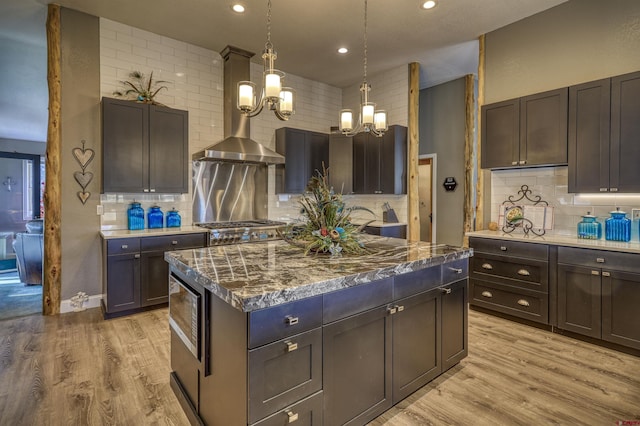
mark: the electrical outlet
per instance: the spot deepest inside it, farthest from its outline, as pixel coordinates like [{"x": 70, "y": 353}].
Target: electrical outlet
[
  {"x": 99, "y": 209},
  {"x": 635, "y": 214}
]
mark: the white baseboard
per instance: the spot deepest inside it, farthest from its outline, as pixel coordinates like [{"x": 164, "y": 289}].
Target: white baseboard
[{"x": 93, "y": 302}]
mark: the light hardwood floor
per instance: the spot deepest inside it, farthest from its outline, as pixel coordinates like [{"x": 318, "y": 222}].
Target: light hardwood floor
[{"x": 76, "y": 369}]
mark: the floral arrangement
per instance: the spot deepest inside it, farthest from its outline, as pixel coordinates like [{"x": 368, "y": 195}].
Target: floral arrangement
[
  {"x": 327, "y": 227},
  {"x": 143, "y": 89}
]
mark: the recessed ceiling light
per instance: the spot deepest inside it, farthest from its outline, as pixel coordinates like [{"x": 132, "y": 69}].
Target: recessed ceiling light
[
  {"x": 238, "y": 8},
  {"x": 430, "y": 4},
  {"x": 343, "y": 50}
]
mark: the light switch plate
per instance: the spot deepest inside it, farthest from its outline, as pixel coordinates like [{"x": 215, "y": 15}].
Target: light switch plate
[
  {"x": 635, "y": 214},
  {"x": 99, "y": 209}
]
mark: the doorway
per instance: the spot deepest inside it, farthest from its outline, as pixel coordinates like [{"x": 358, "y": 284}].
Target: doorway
[
  {"x": 21, "y": 234},
  {"x": 426, "y": 195}
]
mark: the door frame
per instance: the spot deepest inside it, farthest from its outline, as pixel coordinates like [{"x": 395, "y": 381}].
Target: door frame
[
  {"x": 36, "y": 176},
  {"x": 434, "y": 168}
]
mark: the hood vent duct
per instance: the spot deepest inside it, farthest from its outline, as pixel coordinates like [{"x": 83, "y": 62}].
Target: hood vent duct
[{"x": 236, "y": 146}]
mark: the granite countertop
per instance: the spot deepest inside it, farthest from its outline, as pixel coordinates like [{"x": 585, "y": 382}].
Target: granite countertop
[
  {"x": 259, "y": 275},
  {"x": 125, "y": 233},
  {"x": 381, "y": 224},
  {"x": 561, "y": 240}
]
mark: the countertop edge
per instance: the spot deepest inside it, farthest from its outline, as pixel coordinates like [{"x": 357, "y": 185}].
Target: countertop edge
[{"x": 125, "y": 233}]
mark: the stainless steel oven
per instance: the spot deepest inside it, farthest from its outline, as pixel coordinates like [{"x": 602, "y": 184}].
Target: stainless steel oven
[{"x": 185, "y": 310}]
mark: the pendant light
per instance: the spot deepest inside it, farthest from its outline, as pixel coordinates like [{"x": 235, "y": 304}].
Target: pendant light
[
  {"x": 369, "y": 119},
  {"x": 277, "y": 98}
]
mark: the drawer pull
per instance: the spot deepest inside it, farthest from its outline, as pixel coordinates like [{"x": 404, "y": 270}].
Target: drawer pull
[
  {"x": 523, "y": 302},
  {"x": 174, "y": 243},
  {"x": 392, "y": 310},
  {"x": 124, "y": 246},
  {"x": 291, "y": 320},
  {"x": 503, "y": 248},
  {"x": 524, "y": 272},
  {"x": 136, "y": 256},
  {"x": 606, "y": 274},
  {"x": 599, "y": 259},
  {"x": 446, "y": 290},
  {"x": 487, "y": 266},
  {"x": 487, "y": 294},
  {"x": 595, "y": 272},
  {"x": 456, "y": 270},
  {"x": 400, "y": 308},
  {"x": 292, "y": 417},
  {"x": 291, "y": 346}
]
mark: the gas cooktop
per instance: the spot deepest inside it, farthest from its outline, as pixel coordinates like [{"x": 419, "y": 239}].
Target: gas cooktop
[{"x": 243, "y": 231}]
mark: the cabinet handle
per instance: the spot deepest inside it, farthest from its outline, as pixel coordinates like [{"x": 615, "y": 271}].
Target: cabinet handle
[
  {"x": 606, "y": 274},
  {"x": 487, "y": 266},
  {"x": 487, "y": 294},
  {"x": 604, "y": 189},
  {"x": 392, "y": 310},
  {"x": 136, "y": 256},
  {"x": 445, "y": 290},
  {"x": 524, "y": 272},
  {"x": 124, "y": 246},
  {"x": 152, "y": 190},
  {"x": 613, "y": 189},
  {"x": 456, "y": 270},
  {"x": 514, "y": 163},
  {"x": 400, "y": 308},
  {"x": 291, "y": 346},
  {"x": 599, "y": 259},
  {"x": 523, "y": 302},
  {"x": 145, "y": 190},
  {"x": 595, "y": 272},
  {"x": 291, "y": 320},
  {"x": 292, "y": 417},
  {"x": 174, "y": 243},
  {"x": 523, "y": 161},
  {"x": 503, "y": 248}
]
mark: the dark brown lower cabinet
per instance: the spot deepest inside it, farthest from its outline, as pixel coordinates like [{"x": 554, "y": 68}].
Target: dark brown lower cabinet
[
  {"x": 455, "y": 317},
  {"x": 154, "y": 272},
  {"x": 620, "y": 301},
  {"x": 123, "y": 282},
  {"x": 579, "y": 294}
]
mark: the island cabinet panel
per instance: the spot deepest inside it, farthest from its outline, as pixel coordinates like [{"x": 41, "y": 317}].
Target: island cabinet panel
[
  {"x": 307, "y": 412},
  {"x": 511, "y": 277},
  {"x": 342, "y": 303},
  {"x": 144, "y": 148},
  {"x": 135, "y": 272},
  {"x": 598, "y": 294},
  {"x": 454, "y": 324}
]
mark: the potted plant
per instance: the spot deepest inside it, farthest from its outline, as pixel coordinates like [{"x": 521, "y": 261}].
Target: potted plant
[{"x": 144, "y": 90}]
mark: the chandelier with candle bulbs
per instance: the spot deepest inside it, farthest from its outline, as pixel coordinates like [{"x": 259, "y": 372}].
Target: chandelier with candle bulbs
[
  {"x": 369, "y": 119},
  {"x": 277, "y": 98}
]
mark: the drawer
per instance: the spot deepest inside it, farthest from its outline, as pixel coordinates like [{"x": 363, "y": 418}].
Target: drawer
[
  {"x": 275, "y": 323},
  {"x": 517, "y": 272},
  {"x": 455, "y": 271},
  {"x": 599, "y": 259},
  {"x": 123, "y": 246},
  {"x": 405, "y": 285},
  {"x": 284, "y": 372},
  {"x": 307, "y": 412},
  {"x": 528, "y": 304},
  {"x": 172, "y": 242},
  {"x": 510, "y": 248},
  {"x": 343, "y": 303}
]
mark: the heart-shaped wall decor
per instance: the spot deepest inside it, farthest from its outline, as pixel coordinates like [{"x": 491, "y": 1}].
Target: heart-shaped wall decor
[
  {"x": 84, "y": 196},
  {"x": 83, "y": 178},
  {"x": 83, "y": 156}
]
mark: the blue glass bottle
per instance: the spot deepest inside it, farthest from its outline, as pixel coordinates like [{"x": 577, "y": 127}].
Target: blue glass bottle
[
  {"x": 589, "y": 228},
  {"x": 155, "y": 217},
  {"x": 135, "y": 216},
  {"x": 173, "y": 219},
  {"x": 618, "y": 226}
]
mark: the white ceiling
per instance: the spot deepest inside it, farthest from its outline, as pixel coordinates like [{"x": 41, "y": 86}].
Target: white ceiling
[{"x": 306, "y": 36}]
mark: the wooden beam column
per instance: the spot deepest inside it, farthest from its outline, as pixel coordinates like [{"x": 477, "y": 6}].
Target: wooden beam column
[
  {"x": 480, "y": 181},
  {"x": 413, "y": 207},
  {"x": 469, "y": 145},
  {"x": 53, "y": 182}
]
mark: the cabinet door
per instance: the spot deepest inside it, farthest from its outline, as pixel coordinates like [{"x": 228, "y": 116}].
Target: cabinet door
[
  {"x": 579, "y": 293},
  {"x": 168, "y": 150},
  {"x": 455, "y": 340},
  {"x": 543, "y": 128},
  {"x": 123, "y": 282},
  {"x": 125, "y": 146},
  {"x": 500, "y": 134},
  {"x": 317, "y": 154},
  {"x": 291, "y": 176},
  {"x": 341, "y": 163},
  {"x": 393, "y": 161},
  {"x": 620, "y": 301},
  {"x": 625, "y": 133},
  {"x": 357, "y": 368},
  {"x": 372, "y": 165},
  {"x": 359, "y": 163},
  {"x": 416, "y": 343},
  {"x": 589, "y": 112},
  {"x": 154, "y": 279}
]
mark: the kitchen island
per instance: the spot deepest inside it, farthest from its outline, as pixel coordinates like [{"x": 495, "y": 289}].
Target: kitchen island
[{"x": 271, "y": 336}]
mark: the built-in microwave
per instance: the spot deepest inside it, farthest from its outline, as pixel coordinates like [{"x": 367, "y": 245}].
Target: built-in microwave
[{"x": 185, "y": 309}]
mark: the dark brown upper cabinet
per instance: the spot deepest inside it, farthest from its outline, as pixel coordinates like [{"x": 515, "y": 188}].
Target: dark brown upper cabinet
[
  {"x": 526, "y": 132},
  {"x": 305, "y": 153},
  {"x": 604, "y": 129},
  {"x": 145, "y": 148}
]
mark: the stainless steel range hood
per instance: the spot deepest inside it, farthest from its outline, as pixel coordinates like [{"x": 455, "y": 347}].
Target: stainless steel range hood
[{"x": 236, "y": 146}]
